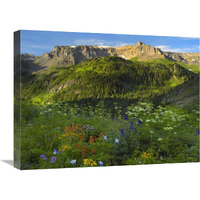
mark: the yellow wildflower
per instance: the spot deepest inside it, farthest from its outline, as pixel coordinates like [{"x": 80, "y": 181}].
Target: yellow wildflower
[
  {"x": 89, "y": 162},
  {"x": 146, "y": 155},
  {"x": 64, "y": 147}
]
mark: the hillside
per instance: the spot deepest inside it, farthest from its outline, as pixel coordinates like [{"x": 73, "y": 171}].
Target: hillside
[
  {"x": 185, "y": 95},
  {"x": 105, "y": 78}
]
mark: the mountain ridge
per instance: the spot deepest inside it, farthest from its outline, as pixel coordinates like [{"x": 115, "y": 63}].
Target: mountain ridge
[{"x": 65, "y": 56}]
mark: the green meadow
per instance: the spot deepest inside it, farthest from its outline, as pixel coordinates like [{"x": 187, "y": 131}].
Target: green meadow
[{"x": 107, "y": 112}]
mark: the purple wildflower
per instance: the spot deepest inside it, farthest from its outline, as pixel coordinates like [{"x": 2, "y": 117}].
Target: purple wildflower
[
  {"x": 126, "y": 117},
  {"x": 131, "y": 127},
  {"x": 53, "y": 159},
  {"x": 73, "y": 162},
  {"x": 43, "y": 156},
  {"x": 100, "y": 163},
  {"x": 197, "y": 132},
  {"x": 122, "y": 132},
  {"x": 139, "y": 122},
  {"x": 131, "y": 123},
  {"x": 55, "y": 151}
]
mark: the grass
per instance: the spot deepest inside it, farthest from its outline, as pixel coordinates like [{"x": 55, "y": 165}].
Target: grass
[
  {"x": 192, "y": 68},
  {"x": 62, "y": 135}
]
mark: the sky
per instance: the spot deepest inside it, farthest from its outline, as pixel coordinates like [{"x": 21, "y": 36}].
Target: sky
[{"x": 39, "y": 42}]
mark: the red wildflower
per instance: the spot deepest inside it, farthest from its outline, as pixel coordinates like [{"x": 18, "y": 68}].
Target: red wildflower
[
  {"x": 91, "y": 139},
  {"x": 93, "y": 151},
  {"x": 83, "y": 152},
  {"x": 101, "y": 134}
]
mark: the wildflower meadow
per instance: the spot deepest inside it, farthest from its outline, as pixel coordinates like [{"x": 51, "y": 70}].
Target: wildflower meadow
[{"x": 62, "y": 135}]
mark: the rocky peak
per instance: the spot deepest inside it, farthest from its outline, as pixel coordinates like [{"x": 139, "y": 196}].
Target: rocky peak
[
  {"x": 56, "y": 48},
  {"x": 139, "y": 43},
  {"x": 72, "y": 55}
]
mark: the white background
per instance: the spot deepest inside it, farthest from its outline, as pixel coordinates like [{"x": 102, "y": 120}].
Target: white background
[{"x": 146, "y": 17}]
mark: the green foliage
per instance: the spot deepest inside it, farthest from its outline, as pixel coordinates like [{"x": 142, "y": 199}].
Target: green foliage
[
  {"x": 103, "y": 78},
  {"x": 145, "y": 135}
]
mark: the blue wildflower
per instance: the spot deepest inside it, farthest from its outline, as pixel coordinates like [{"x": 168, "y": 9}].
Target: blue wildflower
[
  {"x": 53, "y": 159},
  {"x": 116, "y": 141},
  {"x": 197, "y": 132},
  {"x": 126, "y": 117},
  {"x": 100, "y": 163},
  {"x": 139, "y": 122},
  {"x": 133, "y": 118},
  {"x": 122, "y": 132},
  {"x": 131, "y": 123},
  {"x": 43, "y": 156},
  {"x": 131, "y": 127},
  {"x": 104, "y": 138},
  {"x": 35, "y": 111},
  {"x": 73, "y": 162},
  {"x": 55, "y": 151}
]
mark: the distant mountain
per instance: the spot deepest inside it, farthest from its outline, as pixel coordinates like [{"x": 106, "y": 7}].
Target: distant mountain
[{"x": 65, "y": 56}]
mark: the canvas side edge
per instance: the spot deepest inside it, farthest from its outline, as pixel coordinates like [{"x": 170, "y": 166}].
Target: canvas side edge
[{"x": 17, "y": 100}]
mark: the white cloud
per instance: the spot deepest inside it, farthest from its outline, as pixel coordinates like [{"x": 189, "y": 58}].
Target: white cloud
[
  {"x": 89, "y": 42},
  {"x": 98, "y": 42},
  {"x": 38, "y": 46},
  {"x": 170, "y": 49}
]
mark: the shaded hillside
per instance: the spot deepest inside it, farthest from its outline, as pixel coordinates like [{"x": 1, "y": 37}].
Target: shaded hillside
[
  {"x": 28, "y": 64},
  {"x": 107, "y": 77},
  {"x": 185, "y": 95}
]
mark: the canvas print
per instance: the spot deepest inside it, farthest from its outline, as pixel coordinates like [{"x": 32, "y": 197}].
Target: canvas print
[{"x": 96, "y": 100}]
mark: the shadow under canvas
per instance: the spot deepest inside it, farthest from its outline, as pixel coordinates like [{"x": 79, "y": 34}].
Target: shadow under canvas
[{"x": 10, "y": 162}]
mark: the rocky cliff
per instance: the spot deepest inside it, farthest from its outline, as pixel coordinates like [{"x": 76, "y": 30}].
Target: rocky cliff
[{"x": 63, "y": 56}]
